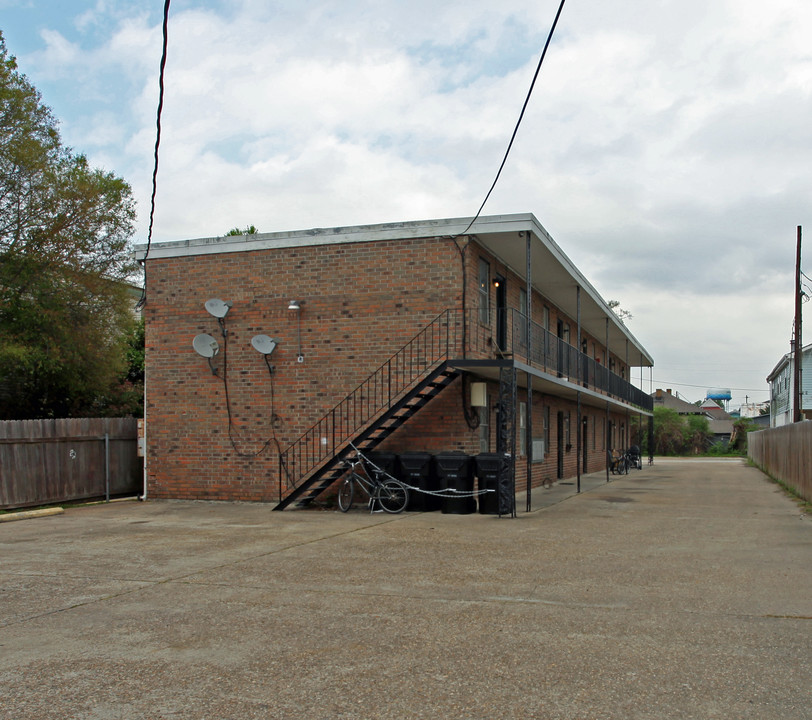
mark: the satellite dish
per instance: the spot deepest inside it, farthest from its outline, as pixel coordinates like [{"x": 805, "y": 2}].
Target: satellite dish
[
  {"x": 217, "y": 307},
  {"x": 205, "y": 345},
  {"x": 263, "y": 344}
]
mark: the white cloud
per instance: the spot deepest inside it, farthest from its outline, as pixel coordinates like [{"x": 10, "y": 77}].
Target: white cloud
[{"x": 665, "y": 147}]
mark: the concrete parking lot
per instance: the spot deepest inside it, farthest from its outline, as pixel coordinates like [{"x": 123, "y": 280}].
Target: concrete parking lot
[{"x": 680, "y": 591}]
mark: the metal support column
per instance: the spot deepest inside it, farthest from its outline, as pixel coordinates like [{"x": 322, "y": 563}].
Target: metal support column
[
  {"x": 528, "y": 439},
  {"x": 506, "y": 488},
  {"x": 606, "y": 440}
]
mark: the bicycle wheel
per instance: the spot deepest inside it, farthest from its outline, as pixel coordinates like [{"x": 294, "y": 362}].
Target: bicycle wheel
[
  {"x": 393, "y": 496},
  {"x": 345, "y": 493}
]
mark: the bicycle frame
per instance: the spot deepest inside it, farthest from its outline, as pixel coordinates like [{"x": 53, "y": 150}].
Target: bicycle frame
[{"x": 381, "y": 488}]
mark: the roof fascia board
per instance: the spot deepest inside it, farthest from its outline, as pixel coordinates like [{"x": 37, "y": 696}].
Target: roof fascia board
[{"x": 333, "y": 236}]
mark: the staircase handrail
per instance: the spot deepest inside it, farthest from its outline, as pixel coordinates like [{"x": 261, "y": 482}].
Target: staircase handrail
[{"x": 356, "y": 410}]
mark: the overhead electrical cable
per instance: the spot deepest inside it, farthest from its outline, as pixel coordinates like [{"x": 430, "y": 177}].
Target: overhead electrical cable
[
  {"x": 143, "y": 299},
  {"x": 669, "y": 382},
  {"x": 519, "y": 121}
]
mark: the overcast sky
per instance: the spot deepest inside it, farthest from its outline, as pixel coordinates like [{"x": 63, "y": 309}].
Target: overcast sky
[{"x": 666, "y": 147}]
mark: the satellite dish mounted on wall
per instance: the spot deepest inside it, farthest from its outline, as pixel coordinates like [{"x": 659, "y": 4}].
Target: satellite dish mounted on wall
[
  {"x": 217, "y": 307},
  {"x": 206, "y": 346},
  {"x": 264, "y": 345}
]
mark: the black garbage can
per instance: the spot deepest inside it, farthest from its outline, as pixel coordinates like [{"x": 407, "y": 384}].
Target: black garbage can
[
  {"x": 417, "y": 471},
  {"x": 487, "y": 473},
  {"x": 385, "y": 461},
  {"x": 455, "y": 472}
]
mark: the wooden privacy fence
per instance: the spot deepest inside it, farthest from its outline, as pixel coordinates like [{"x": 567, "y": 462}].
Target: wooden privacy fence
[
  {"x": 52, "y": 461},
  {"x": 785, "y": 453}
]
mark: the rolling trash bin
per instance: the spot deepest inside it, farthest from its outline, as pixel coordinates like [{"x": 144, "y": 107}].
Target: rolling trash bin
[
  {"x": 487, "y": 472},
  {"x": 386, "y": 461},
  {"x": 455, "y": 472},
  {"x": 416, "y": 470}
]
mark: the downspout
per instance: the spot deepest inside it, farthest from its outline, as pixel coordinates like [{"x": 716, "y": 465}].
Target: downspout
[
  {"x": 578, "y": 365},
  {"x": 528, "y": 431},
  {"x": 143, "y": 495},
  {"x": 606, "y": 429},
  {"x": 471, "y": 419},
  {"x": 628, "y": 414}
]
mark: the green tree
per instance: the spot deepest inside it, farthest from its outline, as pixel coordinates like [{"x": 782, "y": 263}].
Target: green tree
[
  {"x": 738, "y": 438},
  {"x": 250, "y": 230},
  {"x": 669, "y": 431},
  {"x": 697, "y": 435},
  {"x": 622, "y": 315},
  {"x": 64, "y": 231}
]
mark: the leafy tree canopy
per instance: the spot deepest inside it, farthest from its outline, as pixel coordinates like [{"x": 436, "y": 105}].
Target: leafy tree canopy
[
  {"x": 622, "y": 315},
  {"x": 250, "y": 230},
  {"x": 64, "y": 231}
]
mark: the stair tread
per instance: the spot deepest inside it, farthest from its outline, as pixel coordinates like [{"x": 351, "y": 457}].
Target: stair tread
[{"x": 388, "y": 421}]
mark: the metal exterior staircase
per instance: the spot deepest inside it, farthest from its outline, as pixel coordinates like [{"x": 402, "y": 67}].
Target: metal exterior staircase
[{"x": 391, "y": 395}]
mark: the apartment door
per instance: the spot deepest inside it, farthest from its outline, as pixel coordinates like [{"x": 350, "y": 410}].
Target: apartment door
[
  {"x": 501, "y": 313},
  {"x": 584, "y": 435},
  {"x": 561, "y": 441}
]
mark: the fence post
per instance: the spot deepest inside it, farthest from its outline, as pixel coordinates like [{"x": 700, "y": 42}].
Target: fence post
[{"x": 107, "y": 467}]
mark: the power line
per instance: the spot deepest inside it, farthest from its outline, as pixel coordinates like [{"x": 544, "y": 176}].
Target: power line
[
  {"x": 669, "y": 382},
  {"x": 143, "y": 299},
  {"x": 519, "y": 121}
]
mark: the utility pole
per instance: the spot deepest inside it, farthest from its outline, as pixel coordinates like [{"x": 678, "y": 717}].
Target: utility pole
[{"x": 797, "y": 414}]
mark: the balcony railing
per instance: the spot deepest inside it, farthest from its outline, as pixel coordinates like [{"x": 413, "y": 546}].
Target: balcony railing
[{"x": 506, "y": 335}]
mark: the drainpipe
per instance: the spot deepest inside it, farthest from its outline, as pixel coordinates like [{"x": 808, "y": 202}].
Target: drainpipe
[
  {"x": 606, "y": 429},
  {"x": 578, "y": 369},
  {"x": 528, "y": 431},
  {"x": 143, "y": 496}
]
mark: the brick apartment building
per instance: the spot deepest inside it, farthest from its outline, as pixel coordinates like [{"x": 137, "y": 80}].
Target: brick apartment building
[{"x": 400, "y": 337}]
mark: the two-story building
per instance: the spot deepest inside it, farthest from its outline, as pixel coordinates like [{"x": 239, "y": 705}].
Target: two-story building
[
  {"x": 395, "y": 337},
  {"x": 782, "y": 388}
]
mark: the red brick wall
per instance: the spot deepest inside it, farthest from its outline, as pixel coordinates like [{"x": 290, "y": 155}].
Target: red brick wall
[{"x": 361, "y": 302}]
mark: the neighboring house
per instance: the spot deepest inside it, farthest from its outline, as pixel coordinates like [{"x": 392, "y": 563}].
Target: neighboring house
[
  {"x": 762, "y": 420},
  {"x": 397, "y": 337},
  {"x": 782, "y": 387},
  {"x": 720, "y": 423},
  {"x": 670, "y": 400},
  {"x": 755, "y": 409},
  {"x": 134, "y": 292}
]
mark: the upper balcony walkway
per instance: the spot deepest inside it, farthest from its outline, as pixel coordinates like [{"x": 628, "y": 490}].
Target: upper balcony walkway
[{"x": 482, "y": 341}]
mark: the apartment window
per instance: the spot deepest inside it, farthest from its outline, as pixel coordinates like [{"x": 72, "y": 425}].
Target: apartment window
[
  {"x": 484, "y": 291},
  {"x": 567, "y": 442},
  {"x": 546, "y": 428},
  {"x": 522, "y": 429}
]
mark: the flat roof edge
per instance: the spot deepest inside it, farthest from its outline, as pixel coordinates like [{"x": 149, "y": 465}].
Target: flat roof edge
[{"x": 337, "y": 235}]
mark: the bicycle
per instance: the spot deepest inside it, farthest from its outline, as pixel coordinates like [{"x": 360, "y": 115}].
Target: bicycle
[
  {"x": 381, "y": 488},
  {"x": 618, "y": 463}
]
